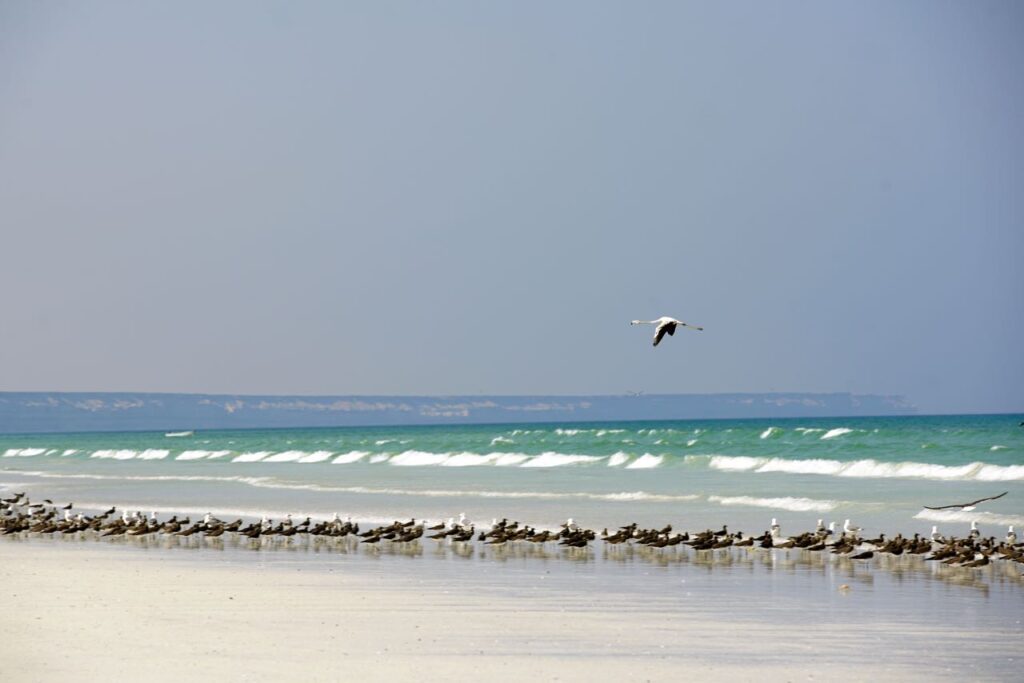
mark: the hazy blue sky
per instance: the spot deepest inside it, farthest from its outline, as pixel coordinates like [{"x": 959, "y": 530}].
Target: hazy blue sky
[{"x": 427, "y": 198}]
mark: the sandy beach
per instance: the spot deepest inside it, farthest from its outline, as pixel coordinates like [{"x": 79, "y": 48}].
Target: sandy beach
[{"x": 95, "y": 612}]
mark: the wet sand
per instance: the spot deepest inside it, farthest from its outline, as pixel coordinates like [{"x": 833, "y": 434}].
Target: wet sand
[{"x": 94, "y": 611}]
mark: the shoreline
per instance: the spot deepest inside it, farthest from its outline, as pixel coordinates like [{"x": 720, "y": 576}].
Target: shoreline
[{"x": 100, "y": 612}]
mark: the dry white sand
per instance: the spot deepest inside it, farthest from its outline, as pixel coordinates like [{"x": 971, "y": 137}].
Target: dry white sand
[{"x": 91, "y": 614}]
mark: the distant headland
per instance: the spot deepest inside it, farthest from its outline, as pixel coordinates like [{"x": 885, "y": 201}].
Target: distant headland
[{"x": 22, "y": 412}]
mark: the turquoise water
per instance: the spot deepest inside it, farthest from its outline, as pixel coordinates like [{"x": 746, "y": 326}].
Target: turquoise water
[{"x": 693, "y": 474}]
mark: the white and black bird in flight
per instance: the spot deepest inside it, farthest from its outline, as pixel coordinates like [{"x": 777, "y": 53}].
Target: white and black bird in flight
[
  {"x": 966, "y": 507},
  {"x": 665, "y": 325}
]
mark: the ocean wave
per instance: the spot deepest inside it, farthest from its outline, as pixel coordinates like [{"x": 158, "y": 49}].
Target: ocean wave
[
  {"x": 350, "y": 457},
  {"x": 418, "y": 459},
  {"x": 833, "y": 433},
  {"x": 645, "y": 461},
  {"x": 285, "y": 456},
  {"x": 559, "y": 460},
  {"x": 154, "y": 454},
  {"x": 786, "y": 503},
  {"x": 771, "y": 431},
  {"x": 110, "y": 454},
  {"x": 968, "y": 517},
  {"x": 23, "y": 452},
  {"x": 470, "y": 459},
  {"x": 202, "y": 455},
  {"x": 511, "y": 459},
  {"x": 1000, "y": 473},
  {"x": 617, "y": 459},
  {"x": 870, "y": 469},
  {"x": 251, "y": 457},
  {"x": 316, "y": 456}
]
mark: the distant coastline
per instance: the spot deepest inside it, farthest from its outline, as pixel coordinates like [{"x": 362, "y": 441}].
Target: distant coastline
[{"x": 22, "y": 412}]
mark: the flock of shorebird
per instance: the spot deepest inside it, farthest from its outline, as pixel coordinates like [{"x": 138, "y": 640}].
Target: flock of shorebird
[{"x": 19, "y": 515}]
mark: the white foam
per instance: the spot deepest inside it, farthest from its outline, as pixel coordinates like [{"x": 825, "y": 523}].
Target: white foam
[
  {"x": 350, "y": 457},
  {"x": 833, "y": 433},
  {"x": 643, "y": 496},
  {"x": 558, "y": 460},
  {"x": 998, "y": 447},
  {"x": 200, "y": 455},
  {"x": 1000, "y": 473},
  {"x": 381, "y": 442},
  {"x": 786, "y": 503},
  {"x": 910, "y": 470},
  {"x": 470, "y": 459},
  {"x": 11, "y": 452},
  {"x": 801, "y": 466},
  {"x": 645, "y": 461},
  {"x": 511, "y": 459},
  {"x": 734, "y": 463},
  {"x": 768, "y": 432},
  {"x": 968, "y": 517},
  {"x": 154, "y": 454},
  {"x": 285, "y": 456},
  {"x": 379, "y": 457},
  {"x": 501, "y": 439},
  {"x": 868, "y": 469},
  {"x": 251, "y": 457},
  {"x": 123, "y": 454},
  {"x": 691, "y": 442},
  {"x": 617, "y": 459},
  {"x": 316, "y": 456},
  {"x": 568, "y": 432},
  {"x": 418, "y": 459}
]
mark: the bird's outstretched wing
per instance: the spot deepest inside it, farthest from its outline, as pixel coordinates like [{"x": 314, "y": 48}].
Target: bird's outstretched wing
[
  {"x": 982, "y": 500},
  {"x": 963, "y": 505},
  {"x": 662, "y": 329}
]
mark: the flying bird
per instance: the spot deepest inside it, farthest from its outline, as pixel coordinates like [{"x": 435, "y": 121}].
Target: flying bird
[
  {"x": 665, "y": 325},
  {"x": 966, "y": 507}
]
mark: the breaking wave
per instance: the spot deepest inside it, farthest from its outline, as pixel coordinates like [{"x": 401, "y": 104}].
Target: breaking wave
[
  {"x": 645, "y": 461},
  {"x": 871, "y": 469},
  {"x": 786, "y": 503},
  {"x": 674, "y": 457},
  {"x": 968, "y": 517}
]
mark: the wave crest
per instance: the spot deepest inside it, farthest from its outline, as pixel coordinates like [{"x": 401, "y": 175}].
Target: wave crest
[
  {"x": 785, "y": 503},
  {"x": 869, "y": 469}
]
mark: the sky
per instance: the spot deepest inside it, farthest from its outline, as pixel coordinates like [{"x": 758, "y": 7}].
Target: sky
[{"x": 476, "y": 198}]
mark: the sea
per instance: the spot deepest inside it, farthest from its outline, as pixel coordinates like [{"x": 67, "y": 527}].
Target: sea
[{"x": 880, "y": 473}]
